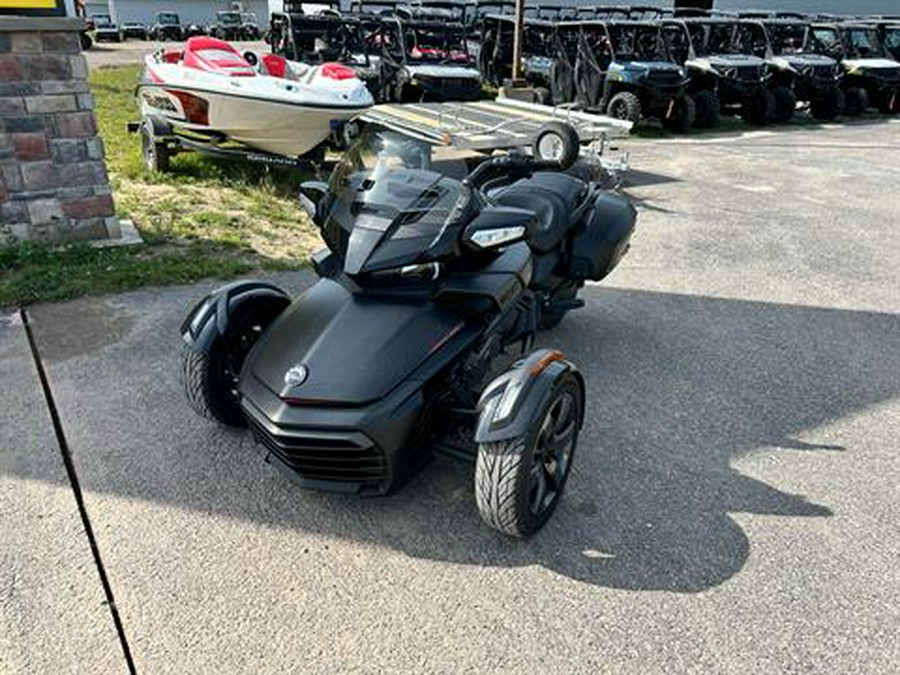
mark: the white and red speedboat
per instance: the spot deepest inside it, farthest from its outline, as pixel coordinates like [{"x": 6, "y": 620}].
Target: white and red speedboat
[{"x": 265, "y": 102}]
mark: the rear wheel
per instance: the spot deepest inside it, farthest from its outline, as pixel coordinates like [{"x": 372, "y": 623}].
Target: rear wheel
[
  {"x": 625, "y": 106},
  {"x": 785, "y": 104},
  {"x": 827, "y": 105},
  {"x": 856, "y": 101},
  {"x": 708, "y": 109},
  {"x": 758, "y": 107},
  {"x": 519, "y": 481},
  {"x": 684, "y": 112}
]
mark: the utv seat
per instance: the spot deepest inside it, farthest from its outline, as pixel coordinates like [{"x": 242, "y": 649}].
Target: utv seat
[{"x": 554, "y": 197}]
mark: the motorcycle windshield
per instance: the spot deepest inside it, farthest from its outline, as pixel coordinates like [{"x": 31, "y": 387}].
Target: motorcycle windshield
[{"x": 390, "y": 200}]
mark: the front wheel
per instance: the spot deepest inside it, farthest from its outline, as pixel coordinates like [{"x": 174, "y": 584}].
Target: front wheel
[
  {"x": 758, "y": 107},
  {"x": 785, "y": 104},
  {"x": 519, "y": 481},
  {"x": 708, "y": 109},
  {"x": 828, "y": 104},
  {"x": 210, "y": 378},
  {"x": 856, "y": 101},
  {"x": 625, "y": 106}
]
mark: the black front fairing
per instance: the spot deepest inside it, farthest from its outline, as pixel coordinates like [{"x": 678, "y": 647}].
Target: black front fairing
[{"x": 357, "y": 348}]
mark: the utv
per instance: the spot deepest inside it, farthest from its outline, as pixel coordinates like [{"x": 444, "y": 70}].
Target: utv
[
  {"x": 805, "y": 65},
  {"x": 135, "y": 30},
  {"x": 105, "y": 30},
  {"x": 723, "y": 76},
  {"x": 433, "y": 63},
  {"x": 870, "y": 77},
  {"x": 889, "y": 35},
  {"x": 249, "y": 26},
  {"x": 167, "y": 27},
  {"x": 538, "y": 51},
  {"x": 624, "y": 69},
  {"x": 227, "y": 26}
]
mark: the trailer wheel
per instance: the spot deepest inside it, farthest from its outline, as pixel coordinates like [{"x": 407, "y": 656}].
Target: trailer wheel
[
  {"x": 625, "y": 106},
  {"x": 155, "y": 152},
  {"x": 519, "y": 481},
  {"x": 684, "y": 112},
  {"x": 785, "y": 104},
  {"x": 856, "y": 101},
  {"x": 828, "y": 105},
  {"x": 559, "y": 142},
  {"x": 708, "y": 109},
  {"x": 758, "y": 107}
]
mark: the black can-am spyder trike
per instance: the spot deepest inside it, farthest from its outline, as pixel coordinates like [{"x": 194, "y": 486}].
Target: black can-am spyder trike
[{"x": 433, "y": 270}]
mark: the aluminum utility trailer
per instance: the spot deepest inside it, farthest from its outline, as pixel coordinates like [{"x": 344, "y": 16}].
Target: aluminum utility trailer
[{"x": 498, "y": 125}]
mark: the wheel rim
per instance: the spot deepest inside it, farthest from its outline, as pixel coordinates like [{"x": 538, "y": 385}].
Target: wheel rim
[
  {"x": 553, "y": 453},
  {"x": 550, "y": 147},
  {"x": 619, "y": 110}
]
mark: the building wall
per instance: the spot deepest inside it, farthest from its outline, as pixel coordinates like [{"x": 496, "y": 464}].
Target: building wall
[{"x": 190, "y": 11}]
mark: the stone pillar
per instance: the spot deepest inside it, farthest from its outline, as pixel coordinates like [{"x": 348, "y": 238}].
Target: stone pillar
[{"x": 53, "y": 182}]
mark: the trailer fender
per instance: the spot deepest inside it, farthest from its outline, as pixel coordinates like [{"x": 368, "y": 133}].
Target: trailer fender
[
  {"x": 510, "y": 404},
  {"x": 212, "y": 317}
]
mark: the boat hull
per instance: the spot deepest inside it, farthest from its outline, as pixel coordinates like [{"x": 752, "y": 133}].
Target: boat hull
[{"x": 282, "y": 128}]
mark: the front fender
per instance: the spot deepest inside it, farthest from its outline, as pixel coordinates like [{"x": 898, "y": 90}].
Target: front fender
[
  {"x": 511, "y": 403},
  {"x": 210, "y": 318}
]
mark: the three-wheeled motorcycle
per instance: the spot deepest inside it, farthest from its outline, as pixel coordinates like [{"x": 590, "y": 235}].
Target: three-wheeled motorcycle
[{"x": 436, "y": 272}]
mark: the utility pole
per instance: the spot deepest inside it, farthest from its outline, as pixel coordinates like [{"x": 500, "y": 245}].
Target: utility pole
[{"x": 518, "y": 30}]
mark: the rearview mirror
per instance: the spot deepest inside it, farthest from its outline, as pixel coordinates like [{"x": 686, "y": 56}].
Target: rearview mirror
[
  {"x": 498, "y": 226},
  {"x": 312, "y": 193}
]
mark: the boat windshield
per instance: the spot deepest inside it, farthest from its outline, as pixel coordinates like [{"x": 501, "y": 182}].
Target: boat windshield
[{"x": 386, "y": 178}]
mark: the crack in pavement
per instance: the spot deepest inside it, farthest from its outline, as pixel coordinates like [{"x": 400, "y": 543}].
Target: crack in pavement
[{"x": 76, "y": 490}]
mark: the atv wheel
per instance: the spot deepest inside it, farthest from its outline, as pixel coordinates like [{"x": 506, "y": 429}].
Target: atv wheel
[
  {"x": 210, "y": 378},
  {"x": 708, "y": 109},
  {"x": 856, "y": 101},
  {"x": 684, "y": 112},
  {"x": 828, "y": 105},
  {"x": 155, "y": 152},
  {"x": 518, "y": 482},
  {"x": 559, "y": 142},
  {"x": 625, "y": 106},
  {"x": 758, "y": 107},
  {"x": 785, "y": 104}
]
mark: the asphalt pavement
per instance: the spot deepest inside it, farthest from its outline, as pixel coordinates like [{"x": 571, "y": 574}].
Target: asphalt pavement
[{"x": 733, "y": 506}]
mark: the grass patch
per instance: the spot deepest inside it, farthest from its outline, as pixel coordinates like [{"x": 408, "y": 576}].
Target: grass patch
[{"x": 206, "y": 218}]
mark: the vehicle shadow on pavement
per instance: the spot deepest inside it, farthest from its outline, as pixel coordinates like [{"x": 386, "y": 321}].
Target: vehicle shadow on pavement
[{"x": 679, "y": 388}]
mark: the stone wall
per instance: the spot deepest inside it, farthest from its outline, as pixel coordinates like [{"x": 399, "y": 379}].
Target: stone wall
[{"x": 53, "y": 181}]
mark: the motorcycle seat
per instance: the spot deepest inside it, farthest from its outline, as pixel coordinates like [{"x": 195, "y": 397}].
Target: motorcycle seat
[{"x": 553, "y": 197}]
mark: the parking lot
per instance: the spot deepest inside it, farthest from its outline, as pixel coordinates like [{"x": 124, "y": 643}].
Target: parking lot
[{"x": 732, "y": 507}]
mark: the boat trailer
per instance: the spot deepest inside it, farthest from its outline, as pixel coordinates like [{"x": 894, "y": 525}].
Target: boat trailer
[{"x": 478, "y": 126}]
